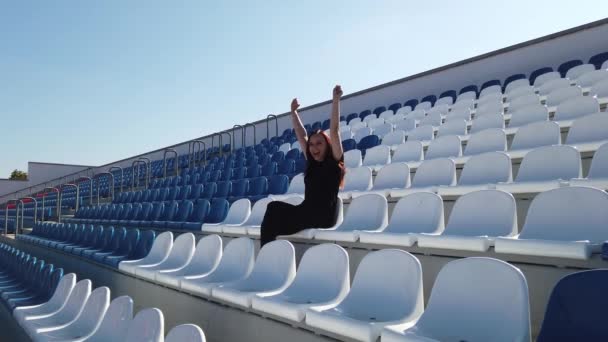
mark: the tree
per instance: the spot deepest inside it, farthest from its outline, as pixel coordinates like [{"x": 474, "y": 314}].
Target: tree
[{"x": 18, "y": 175}]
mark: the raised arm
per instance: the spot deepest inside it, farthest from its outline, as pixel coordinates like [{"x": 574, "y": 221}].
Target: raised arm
[
  {"x": 298, "y": 127},
  {"x": 334, "y": 125}
]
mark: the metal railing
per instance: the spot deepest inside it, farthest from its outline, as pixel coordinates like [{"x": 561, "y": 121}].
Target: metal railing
[
  {"x": 194, "y": 157},
  {"x": 276, "y": 125},
  {"x": 122, "y": 176},
  {"x": 111, "y": 185},
  {"x": 60, "y": 199},
  {"x": 175, "y": 162},
  {"x": 44, "y": 196},
  {"x": 6, "y": 215}
]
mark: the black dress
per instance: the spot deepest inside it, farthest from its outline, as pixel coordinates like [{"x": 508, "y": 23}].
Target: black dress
[{"x": 318, "y": 210}]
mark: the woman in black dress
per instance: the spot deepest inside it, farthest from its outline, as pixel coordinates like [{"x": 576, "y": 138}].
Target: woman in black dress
[{"x": 322, "y": 179}]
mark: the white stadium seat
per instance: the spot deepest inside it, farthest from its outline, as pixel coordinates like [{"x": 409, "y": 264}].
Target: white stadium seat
[
  {"x": 392, "y": 176},
  {"x": 285, "y": 147},
  {"x": 488, "y": 140},
  {"x": 423, "y": 134},
  {"x": 236, "y": 264},
  {"x": 411, "y": 151},
  {"x": 521, "y": 91},
  {"x": 605, "y": 65},
  {"x": 446, "y": 100},
  {"x": 362, "y": 133},
  {"x": 207, "y": 256},
  {"x": 419, "y": 212},
  {"x": 476, "y": 220},
  {"x": 252, "y": 225},
  {"x": 148, "y": 325},
  {"x": 575, "y": 72},
  {"x": 382, "y": 130},
  {"x": 517, "y": 84},
  {"x": 358, "y": 179},
  {"x": 454, "y": 127},
  {"x": 180, "y": 255},
  {"x": 186, "y": 333},
  {"x": 545, "y": 168},
  {"x": 589, "y": 132},
  {"x": 489, "y": 108},
  {"x": 309, "y": 233},
  {"x": 296, "y": 187},
  {"x": 536, "y": 134},
  {"x": 527, "y": 115},
  {"x": 442, "y": 109},
  {"x": 386, "y": 114},
  {"x": 552, "y": 85},
  {"x": 238, "y": 213},
  {"x": 490, "y": 95},
  {"x": 115, "y": 322},
  {"x": 370, "y": 118},
  {"x": 404, "y": 110},
  {"x": 575, "y": 108},
  {"x": 353, "y": 159},
  {"x": 406, "y": 125},
  {"x": 464, "y": 103},
  {"x": 387, "y": 289},
  {"x": 274, "y": 270},
  {"x": 458, "y": 114},
  {"x": 546, "y": 77},
  {"x": 158, "y": 253},
  {"x": 433, "y": 119},
  {"x": 590, "y": 78},
  {"x": 600, "y": 91},
  {"x": 378, "y": 156},
  {"x": 417, "y": 114},
  {"x": 57, "y": 301},
  {"x": 365, "y": 213},
  {"x": 426, "y": 105},
  {"x": 322, "y": 280},
  {"x": 444, "y": 147},
  {"x": 481, "y": 171},
  {"x": 467, "y": 96},
  {"x": 489, "y": 292},
  {"x": 568, "y": 222},
  {"x": 394, "y": 139},
  {"x": 487, "y": 121},
  {"x": 520, "y": 102},
  {"x": 430, "y": 175},
  {"x": 559, "y": 96},
  {"x": 598, "y": 172}
]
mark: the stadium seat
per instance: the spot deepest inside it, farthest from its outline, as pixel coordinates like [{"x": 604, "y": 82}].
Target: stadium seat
[
  {"x": 486, "y": 122},
  {"x": 476, "y": 220},
  {"x": 461, "y": 294},
  {"x": 420, "y": 212},
  {"x": 237, "y": 214},
  {"x": 446, "y": 98},
  {"x": 590, "y": 78},
  {"x": 459, "y": 113},
  {"x": 423, "y": 134},
  {"x": 135, "y": 246},
  {"x": 480, "y": 172},
  {"x": 273, "y": 272},
  {"x": 430, "y": 175},
  {"x": 170, "y": 209},
  {"x": 489, "y": 108},
  {"x": 407, "y": 124},
  {"x": 179, "y": 256},
  {"x": 148, "y": 325},
  {"x": 236, "y": 264},
  {"x": 542, "y": 75},
  {"x": 410, "y": 151},
  {"x": 390, "y": 279},
  {"x": 433, "y": 119},
  {"x": 186, "y": 332},
  {"x": 545, "y": 168},
  {"x": 488, "y": 140},
  {"x": 296, "y": 187},
  {"x": 353, "y": 159},
  {"x": 548, "y": 230},
  {"x": 254, "y": 221},
  {"x": 368, "y": 212},
  {"x": 357, "y": 179},
  {"x": 158, "y": 253},
  {"x": 444, "y": 147},
  {"x": 560, "y": 95},
  {"x": 322, "y": 279},
  {"x": 382, "y": 130},
  {"x": 554, "y": 84},
  {"x": 417, "y": 114},
  {"x": 524, "y": 100},
  {"x": 575, "y": 72},
  {"x": 574, "y": 310},
  {"x": 115, "y": 322},
  {"x": 424, "y": 105},
  {"x": 454, "y": 127},
  {"x": 589, "y": 132},
  {"x": 526, "y": 115},
  {"x": 376, "y": 157},
  {"x": 575, "y": 108},
  {"x": 531, "y": 136},
  {"x": 184, "y": 211},
  {"x": 389, "y": 177},
  {"x": 598, "y": 172},
  {"x": 394, "y": 139},
  {"x": 54, "y": 304},
  {"x": 204, "y": 260}
]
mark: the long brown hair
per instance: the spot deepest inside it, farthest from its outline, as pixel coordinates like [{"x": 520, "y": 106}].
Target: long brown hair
[{"x": 328, "y": 154}]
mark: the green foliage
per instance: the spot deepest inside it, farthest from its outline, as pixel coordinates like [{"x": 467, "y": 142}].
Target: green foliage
[{"x": 18, "y": 175}]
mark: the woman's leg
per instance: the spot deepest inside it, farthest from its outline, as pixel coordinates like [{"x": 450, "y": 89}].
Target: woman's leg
[{"x": 278, "y": 220}]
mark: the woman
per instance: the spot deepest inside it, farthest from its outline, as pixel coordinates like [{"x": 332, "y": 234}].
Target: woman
[{"x": 322, "y": 178}]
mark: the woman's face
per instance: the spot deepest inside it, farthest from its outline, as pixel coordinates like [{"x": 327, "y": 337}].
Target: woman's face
[{"x": 317, "y": 146}]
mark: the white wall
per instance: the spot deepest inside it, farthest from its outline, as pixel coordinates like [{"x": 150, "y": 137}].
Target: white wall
[{"x": 43, "y": 172}]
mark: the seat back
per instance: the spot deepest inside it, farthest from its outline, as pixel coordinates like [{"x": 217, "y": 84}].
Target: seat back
[
  {"x": 93, "y": 312},
  {"x": 409, "y": 152},
  {"x": 394, "y": 138},
  {"x": 599, "y": 164},
  {"x": 218, "y": 211},
  {"x": 483, "y": 213},
  {"x": 116, "y": 321},
  {"x": 537, "y": 134},
  {"x": 487, "y": 121},
  {"x": 575, "y": 72},
  {"x": 489, "y": 140},
  {"x": 550, "y": 163},
  {"x": 237, "y": 260},
  {"x": 575, "y": 308},
  {"x": 435, "y": 172},
  {"x": 461, "y": 294},
  {"x": 257, "y": 212},
  {"x": 181, "y": 252},
  {"x": 576, "y": 107},
  {"x": 419, "y": 212},
  {"x": 553, "y": 213},
  {"x": 296, "y": 186},
  {"x": 487, "y": 168},
  {"x": 186, "y": 332},
  {"x": 184, "y": 211},
  {"x": 366, "y": 212},
  {"x": 352, "y": 159},
  {"x": 142, "y": 245},
  {"x": 405, "y": 124},
  {"x": 393, "y": 176},
  {"x": 359, "y": 178},
  {"x": 552, "y": 85},
  {"x": 278, "y": 185},
  {"x": 590, "y": 78},
  {"x": 207, "y": 255},
  {"x": 148, "y": 325},
  {"x": 158, "y": 208},
  {"x": 275, "y": 265},
  {"x": 561, "y": 95},
  {"x": 489, "y": 108},
  {"x": 160, "y": 248},
  {"x": 240, "y": 187},
  {"x": 454, "y": 127},
  {"x": 458, "y": 114},
  {"x": 444, "y": 147},
  {"x": 422, "y": 133},
  {"x": 200, "y": 211},
  {"x": 528, "y": 114},
  {"x": 379, "y": 155},
  {"x": 76, "y": 301},
  {"x": 238, "y": 212}
]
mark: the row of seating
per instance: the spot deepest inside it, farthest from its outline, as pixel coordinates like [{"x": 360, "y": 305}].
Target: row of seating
[
  {"x": 74, "y": 312},
  {"x": 105, "y": 245},
  {"x": 170, "y": 215},
  {"x": 24, "y": 279}
]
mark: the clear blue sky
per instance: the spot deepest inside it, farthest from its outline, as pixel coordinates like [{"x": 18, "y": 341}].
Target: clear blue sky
[{"x": 90, "y": 82}]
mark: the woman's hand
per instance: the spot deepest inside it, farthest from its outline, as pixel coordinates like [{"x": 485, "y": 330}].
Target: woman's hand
[
  {"x": 337, "y": 92},
  {"x": 294, "y": 105}
]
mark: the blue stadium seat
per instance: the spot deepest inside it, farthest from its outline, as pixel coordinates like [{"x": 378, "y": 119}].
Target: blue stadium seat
[
  {"x": 158, "y": 208},
  {"x": 599, "y": 59},
  {"x": 292, "y": 154},
  {"x": 379, "y": 110},
  {"x": 254, "y": 171},
  {"x": 278, "y": 185},
  {"x": 184, "y": 192},
  {"x": 113, "y": 246},
  {"x": 102, "y": 243},
  {"x": 146, "y": 196},
  {"x": 468, "y": 88},
  {"x": 349, "y": 144},
  {"x": 223, "y": 189},
  {"x": 576, "y": 309},
  {"x": 198, "y": 215},
  {"x": 252, "y": 161},
  {"x": 325, "y": 124},
  {"x": 196, "y": 192},
  {"x": 489, "y": 84},
  {"x": 168, "y": 213},
  {"x": 395, "y": 107},
  {"x": 218, "y": 211},
  {"x": 144, "y": 213},
  {"x": 300, "y": 167},
  {"x": 239, "y": 190},
  {"x": 258, "y": 188},
  {"x": 365, "y": 113},
  {"x": 135, "y": 212},
  {"x": 351, "y": 116},
  {"x": 450, "y": 93},
  {"x": 183, "y": 213},
  {"x": 368, "y": 142},
  {"x": 269, "y": 169},
  {"x": 429, "y": 98},
  {"x": 154, "y": 195},
  {"x": 137, "y": 197},
  {"x": 511, "y": 79},
  {"x": 215, "y": 176},
  {"x": 133, "y": 249},
  {"x": 278, "y": 157},
  {"x": 564, "y": 67},
  {"x": 209, "y": 191},
  {"x": 162, "y": 195},
  {"x": 286, "y": 167},
  {"x": 239, "y": 173}
]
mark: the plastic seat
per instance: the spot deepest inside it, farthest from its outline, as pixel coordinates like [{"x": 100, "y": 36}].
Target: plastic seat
[
  {"x": 589, "y": 132},
  {"x": 377, "y": 157},
  {"x": 590, "y": 78},
  {"x": 368, "y": 212},
  {"x": 574, "y": 309},
  {"x": 390, "y": 279},
  {"x": 429, "y": 176},
  {"x": 168, "y": 213},
  {"x": 382, "y": 130},
  {"x": 487, "y": 122},
  {"x": 53, "y": 305},
  {"x": 252, "y": 224},
  {"x": 545, "y": 168},
  {"x": 541, "y": 76},
  {"x": 526, "y": 115},
  {"x": 444, "y": 147},
  {"x": 575, "y": 108},
  {"x": 458, "y": 114},
  {"x": 357, "y": 179},
  {"x": 296, "y": 187},
  {"x": 489, "y": 108},
  {"x": 148, "y": 325},
  {"x": 548, "y": 230},
  {"x": 407, "y": 124},
  {"x": 454, "y": 127},
  {"x": 201, "y": 211},
  {"x": 462, "y": 294},
  {"x": 158, "y": 253},
  {"x": 447, "y": 100},
  {"x": 34, "y": 325},
  {"x": 598, "y": 172},
  {"x": 184, "y": 211},
  {"x": 237, "y": 215},
  {"x": 559, "y": 96},
  {"x": 575, "y": 72},
  {"x": 480, "y": 172},
  {"x": 87, "y": 321},
  {"x": 433, "y": 119},
  {"x": 205, "y": 259},
  {"x": 423, "y": 134},
  {"x": 552, "y": 85},
  {"x": 523, "y": 101},
  {"x": 410, "y": 151},
  {"x": 133, "y": 244},
  {"x": 531, "y": 136},
  {"x": 186, "y": 332},
  {"x": 489, "y": 140},
  {"x": 394, "y": 139},
  {"x": 274, "y": 270},
  {"x": 236, "y": 264},
  {"x": 514, "y": 82},
  {"x": 420, "y": 212},
  {"x": 417, "y": 114},
  {"x": 115, "y": 322},
  {"x": 392, "y": 176},
  {"x": 323, "y": 279},
  {"x": 353, "y": 159},
  {"x": 180, "y": 255},
  {"x": 476, "y": 220}
]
